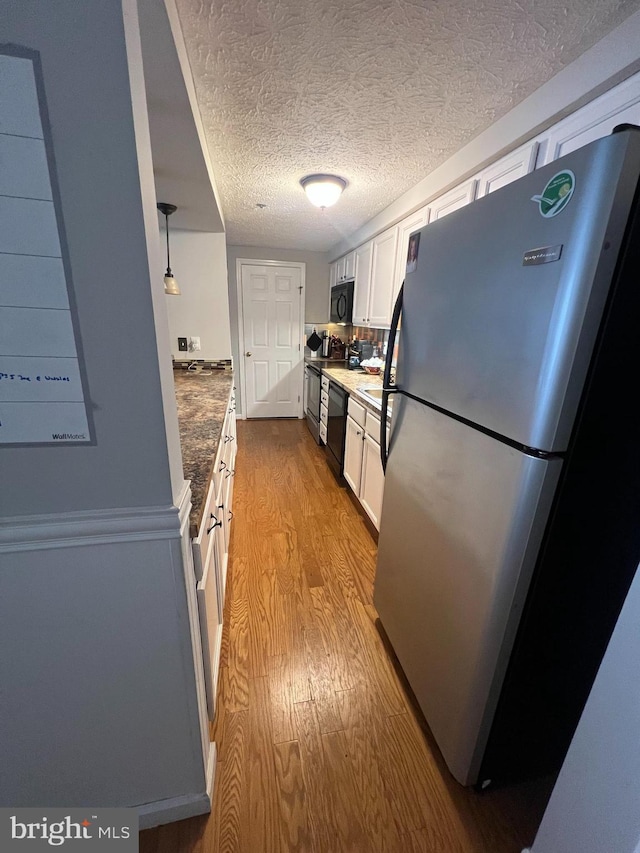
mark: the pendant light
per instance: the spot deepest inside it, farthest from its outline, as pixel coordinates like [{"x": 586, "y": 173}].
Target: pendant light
[
  {"x": 323, "y": 190},
  {"x": 170, "y": 284}
]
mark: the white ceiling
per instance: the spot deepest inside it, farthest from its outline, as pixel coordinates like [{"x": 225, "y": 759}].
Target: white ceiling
[{"x": 378, "y": 91}]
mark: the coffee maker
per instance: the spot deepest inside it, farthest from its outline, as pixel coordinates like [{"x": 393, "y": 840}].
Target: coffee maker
[{"x": 358, "y": 351}]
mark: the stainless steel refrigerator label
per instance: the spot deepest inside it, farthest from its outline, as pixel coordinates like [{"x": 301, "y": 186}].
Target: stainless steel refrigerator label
[
  {"x": 543, "y": 255},
  {"x": 557, "y": 194}
]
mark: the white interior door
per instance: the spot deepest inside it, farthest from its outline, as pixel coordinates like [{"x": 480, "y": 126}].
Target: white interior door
[{"x": 272, "y": 332}]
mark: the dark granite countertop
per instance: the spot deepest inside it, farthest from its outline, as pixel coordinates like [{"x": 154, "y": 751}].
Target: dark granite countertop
[{"x": 202, "y": 405}]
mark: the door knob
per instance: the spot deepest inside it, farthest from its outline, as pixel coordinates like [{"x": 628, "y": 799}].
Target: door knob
[{"x": 248, "y": 354}]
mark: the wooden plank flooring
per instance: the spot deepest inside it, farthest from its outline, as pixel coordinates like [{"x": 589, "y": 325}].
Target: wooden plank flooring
[{"x": 320, "y": 746}]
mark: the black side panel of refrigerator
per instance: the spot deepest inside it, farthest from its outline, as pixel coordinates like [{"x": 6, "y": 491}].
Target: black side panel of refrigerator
[{"x": 589, "y": 555}]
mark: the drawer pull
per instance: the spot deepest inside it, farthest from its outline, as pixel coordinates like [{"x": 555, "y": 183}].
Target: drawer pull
[
  {"x": 230, "y": 515},
  {"x": 223, "y": 465},
  {"x": 213, "y": 526},
  {"x": 228, "y": 438},
  {"x": 229, "y": 473}
]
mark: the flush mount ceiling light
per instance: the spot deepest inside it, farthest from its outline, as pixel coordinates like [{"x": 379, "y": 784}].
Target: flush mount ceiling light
[
  {"x": 323, "y": 190},
  {"x": 170, "y": 284}
]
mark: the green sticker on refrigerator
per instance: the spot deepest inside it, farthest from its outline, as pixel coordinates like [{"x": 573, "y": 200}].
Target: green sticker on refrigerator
[{"x": 557, "y": 194}]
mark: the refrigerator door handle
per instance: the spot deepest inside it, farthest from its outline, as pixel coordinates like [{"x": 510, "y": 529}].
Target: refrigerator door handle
[{"x": 386, "y": 378}]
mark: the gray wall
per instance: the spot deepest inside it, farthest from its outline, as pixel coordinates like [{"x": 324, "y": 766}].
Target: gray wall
[
  {"x": 97, "y": 668},
  {"x": 316, "y": 305},
  {"x": 90, "y": 106}
]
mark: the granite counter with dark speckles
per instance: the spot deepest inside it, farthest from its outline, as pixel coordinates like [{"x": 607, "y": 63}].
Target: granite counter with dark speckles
[{"x": 202, "y": 400}]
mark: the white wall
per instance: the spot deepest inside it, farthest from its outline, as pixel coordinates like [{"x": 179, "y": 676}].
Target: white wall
[
  {"x": 199, "y": 263},
  {"x": 594, "y": 807}
]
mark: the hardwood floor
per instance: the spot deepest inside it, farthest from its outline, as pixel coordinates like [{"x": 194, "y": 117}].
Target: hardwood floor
[{"x": 320, "y": 747}]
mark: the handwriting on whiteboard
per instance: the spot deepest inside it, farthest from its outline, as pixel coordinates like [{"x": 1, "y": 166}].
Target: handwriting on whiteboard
[
  {"x": 20, "y": 378},
  {"x": 42, "y": 383}
]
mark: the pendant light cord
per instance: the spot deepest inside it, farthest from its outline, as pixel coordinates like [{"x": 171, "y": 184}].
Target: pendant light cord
[{"x": 166, "y": 218}]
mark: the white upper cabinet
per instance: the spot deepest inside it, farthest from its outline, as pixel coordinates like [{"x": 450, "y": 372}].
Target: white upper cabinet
[
  {"x": 453, "y": 200},
  {"x": 350, "y": 265},
  {"x": 333, "y": 273},
  {"x": 405, "y": 229},
  {"x": 382, "y": 277},
  {"x": 362, "y": 282},
  {"x": 515, "y": 165},
  {"x": 343, "y": 269},
  {"x": 595, "y": 120}
]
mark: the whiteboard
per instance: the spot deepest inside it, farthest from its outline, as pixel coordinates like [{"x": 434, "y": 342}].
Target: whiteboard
[{"x": 42, "y": 378}]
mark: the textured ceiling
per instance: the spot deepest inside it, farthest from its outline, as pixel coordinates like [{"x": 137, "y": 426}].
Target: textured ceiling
[{"x": 378, "y": 91}]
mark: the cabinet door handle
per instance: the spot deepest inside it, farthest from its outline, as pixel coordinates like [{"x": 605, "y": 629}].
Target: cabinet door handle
[
  {"x": 213, "y": 526},
  {"x": 228, "y": 438},
  {"x": 223, "y": 465},
  {"x": 229, "y": 473},
  {"x": 230, "y": 515}
]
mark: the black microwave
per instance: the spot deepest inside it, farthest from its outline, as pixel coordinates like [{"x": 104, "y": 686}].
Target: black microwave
[{"x": 342, "y": 302}]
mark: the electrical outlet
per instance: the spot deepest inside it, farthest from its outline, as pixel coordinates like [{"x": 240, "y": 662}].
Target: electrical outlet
[
  {"x": 194, "y": 344},
  {"x": 182, "y": 345}
]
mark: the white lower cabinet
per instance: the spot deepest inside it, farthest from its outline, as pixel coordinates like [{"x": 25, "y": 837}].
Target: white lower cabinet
[
  {"x": 362, "y": 464},
  {"x": 210, "y": 552},
  {"x": 210, "y": 625},
  {"x": 353, "y": 454},
  {"x": 372, "y": 480}
]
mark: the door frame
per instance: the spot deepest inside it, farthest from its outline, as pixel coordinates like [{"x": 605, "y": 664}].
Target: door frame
[{"x": 256, "y": 262}]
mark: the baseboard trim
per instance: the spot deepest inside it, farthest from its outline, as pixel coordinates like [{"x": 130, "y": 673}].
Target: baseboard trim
[
  {"x": 363, "y": 514},
  {"x": 184, "y": 502},
  {"x": 211, "y": 769},
  {"x": 95, "y": 527},
  {"x": 180, "y": 808}
]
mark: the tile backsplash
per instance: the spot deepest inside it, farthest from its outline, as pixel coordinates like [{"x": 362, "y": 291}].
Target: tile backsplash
[{"x": 346, "y": 334}]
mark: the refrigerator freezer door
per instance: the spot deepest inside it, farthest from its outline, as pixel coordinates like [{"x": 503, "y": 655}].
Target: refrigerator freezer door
[
  {"x": 506, "y": 344},
  {"x": 462, "y": 519}
]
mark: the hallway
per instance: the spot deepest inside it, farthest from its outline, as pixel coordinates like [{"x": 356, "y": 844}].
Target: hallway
[{"x": 319, "y": 745}]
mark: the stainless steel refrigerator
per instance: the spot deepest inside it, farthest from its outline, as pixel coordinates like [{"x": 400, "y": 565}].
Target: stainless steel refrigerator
[{"x": 510, "y": 526}]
